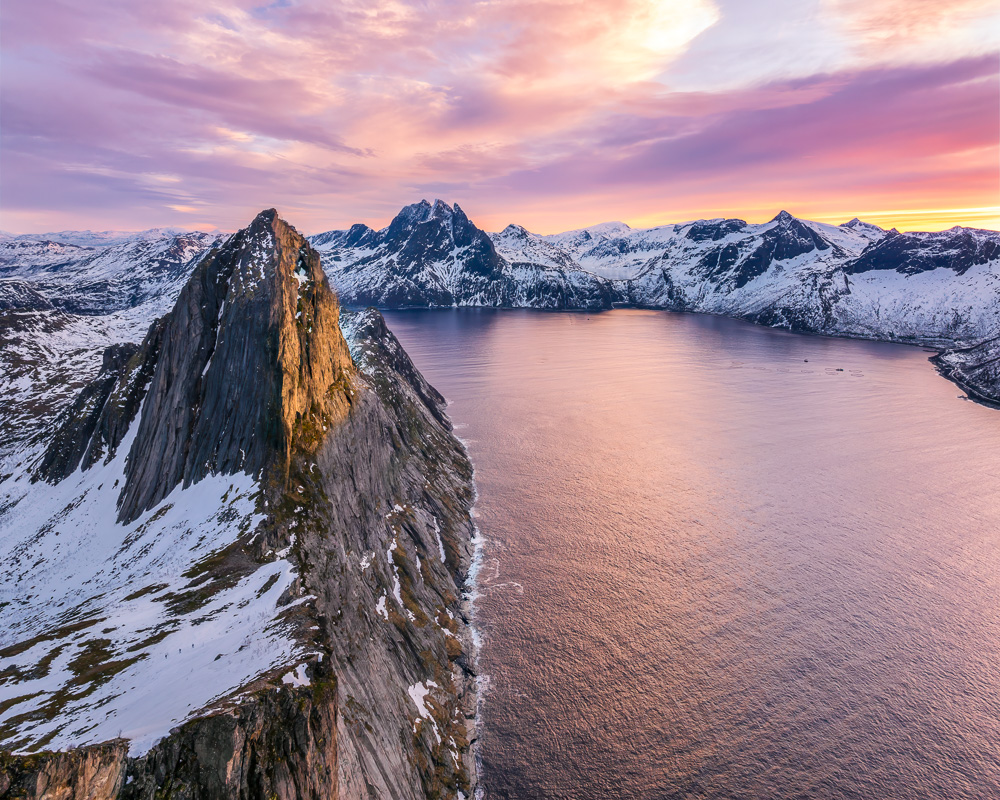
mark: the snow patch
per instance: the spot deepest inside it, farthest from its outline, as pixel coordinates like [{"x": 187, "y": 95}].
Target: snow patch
[{"x": 297, "y": 677}]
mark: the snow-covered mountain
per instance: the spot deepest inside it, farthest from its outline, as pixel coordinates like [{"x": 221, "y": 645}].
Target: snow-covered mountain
[
  {"x": 854, "y": 279},
  {"x": 841, "y": 280},
  {"x": 232, "y": 544},
  {"x": 123, "y": 271},
  {"x": 104, "y": 238},
  {"x": 431, "y": 254}
]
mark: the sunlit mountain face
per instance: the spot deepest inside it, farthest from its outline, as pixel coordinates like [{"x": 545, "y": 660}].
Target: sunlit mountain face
[{"x": 555, "y": 115}]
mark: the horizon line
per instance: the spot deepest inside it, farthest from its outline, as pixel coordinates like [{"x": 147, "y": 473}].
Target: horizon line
[{"x": 988, "y": 218}]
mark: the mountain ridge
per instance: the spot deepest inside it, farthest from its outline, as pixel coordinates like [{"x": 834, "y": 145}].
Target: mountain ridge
[
  {"x": 807, "y": 276},
  {"x": 854, "y": 279},
  {"x": 245, "y": 554}
]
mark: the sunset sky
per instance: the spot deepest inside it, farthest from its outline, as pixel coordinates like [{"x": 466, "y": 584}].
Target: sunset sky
[{"x": 555, "y": 114}]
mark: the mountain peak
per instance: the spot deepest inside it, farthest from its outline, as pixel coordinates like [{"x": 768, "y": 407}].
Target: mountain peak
[
  {"x": 247, "y": 364},
  {"x": 441, "y": 209},
  {"x": 858, "y": 225},
  {"x": 783, "y": 217},
  {"x": 269, "y": 215},
  {"x": 514, "y": 230}
]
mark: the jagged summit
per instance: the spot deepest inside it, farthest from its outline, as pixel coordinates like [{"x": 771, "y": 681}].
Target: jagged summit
[
  {"x": 514, "y": 230},
  {"x": 864, "y": 228},
  {"x": 958, "y": 249},
  {"x": 428, "y": 252},
  {"x": 251, "y": 350},
  {"x": 438, "y": 213}
]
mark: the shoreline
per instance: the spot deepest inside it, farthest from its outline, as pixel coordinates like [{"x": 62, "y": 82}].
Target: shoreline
[
  {"x": 470, "y": 596},
  {"x": 972, "y": 394},
  {"x": 939, "y": 344}
]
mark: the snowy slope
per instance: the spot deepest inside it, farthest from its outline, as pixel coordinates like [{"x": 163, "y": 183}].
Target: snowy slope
[
  {"x": 105, "y": 633},
  {"x": 854, "y": 279},
  {"x": 46, "y": 356},
  {"x": 118, "y": 628},
  {"x": 844, "y": 280},
  {"x": 123, "y": 271},
  {"x": 613, "y": 249},
  {"x": 431, "y": 254}
]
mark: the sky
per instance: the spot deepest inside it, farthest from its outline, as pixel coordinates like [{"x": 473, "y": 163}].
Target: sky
[{"x": 554, "y": 114}]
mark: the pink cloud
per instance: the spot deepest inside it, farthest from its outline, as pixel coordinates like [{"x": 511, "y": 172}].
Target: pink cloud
[{"x": 549, "y": 113}]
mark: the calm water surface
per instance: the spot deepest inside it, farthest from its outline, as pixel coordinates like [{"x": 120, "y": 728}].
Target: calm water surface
[{"x": 716, "y": 570}]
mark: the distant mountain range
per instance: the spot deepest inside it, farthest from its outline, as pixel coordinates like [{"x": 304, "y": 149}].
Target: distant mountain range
[
  {"x": 125, "y": 271},
  {"x": 853, "y": 279},
  {"x": 856, "y": 279},
  {"x": 103, "y": 238}
]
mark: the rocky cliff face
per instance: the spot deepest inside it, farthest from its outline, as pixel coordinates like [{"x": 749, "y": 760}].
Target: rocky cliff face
[
  {"x": 253, "y": 544},
  {"x": 218, "y": 401}
]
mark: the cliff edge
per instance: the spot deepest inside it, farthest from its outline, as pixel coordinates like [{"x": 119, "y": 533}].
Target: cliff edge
[{"x": 235, "y": 566}]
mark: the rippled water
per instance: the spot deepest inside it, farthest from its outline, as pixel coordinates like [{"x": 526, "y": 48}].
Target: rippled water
[{"x": 718, "y": 567}]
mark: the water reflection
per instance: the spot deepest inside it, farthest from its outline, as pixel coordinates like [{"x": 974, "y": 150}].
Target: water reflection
[{"x": 718, "y": 566}]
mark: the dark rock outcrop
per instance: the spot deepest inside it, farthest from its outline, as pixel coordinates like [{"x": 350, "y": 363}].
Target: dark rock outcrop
[
  {"x": 713, "y": 230},
  {"x": 19, "y": 296},
  {"x": 275, "y": 745},
  {"x": 958, "y": 249},
  {"x": 94, "y": 426},
  {"x": 976, "y": 369},
  {"x": 787, "y": 239},
  {"x": 79, "y": 439}
]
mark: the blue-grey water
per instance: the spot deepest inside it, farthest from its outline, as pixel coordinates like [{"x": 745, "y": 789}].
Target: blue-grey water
[{"x": 718, "y": 567}]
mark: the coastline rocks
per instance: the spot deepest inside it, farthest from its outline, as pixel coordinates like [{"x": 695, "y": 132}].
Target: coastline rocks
[{"x": 975, "y": 369}]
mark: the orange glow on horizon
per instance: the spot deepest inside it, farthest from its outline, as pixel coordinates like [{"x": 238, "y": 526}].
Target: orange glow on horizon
[{"x": 903, "y": 220}]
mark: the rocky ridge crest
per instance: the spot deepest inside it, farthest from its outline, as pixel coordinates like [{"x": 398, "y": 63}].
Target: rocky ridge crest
[{"x": 354, "y": 481}]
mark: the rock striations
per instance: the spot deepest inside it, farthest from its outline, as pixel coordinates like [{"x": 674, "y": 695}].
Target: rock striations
[
  {"x": 238, "y": 568},
  {"x": 252, "y": 348}
]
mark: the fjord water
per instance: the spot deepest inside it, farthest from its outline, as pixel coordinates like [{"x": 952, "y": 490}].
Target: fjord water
[{"x": 715, "y": 569}]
